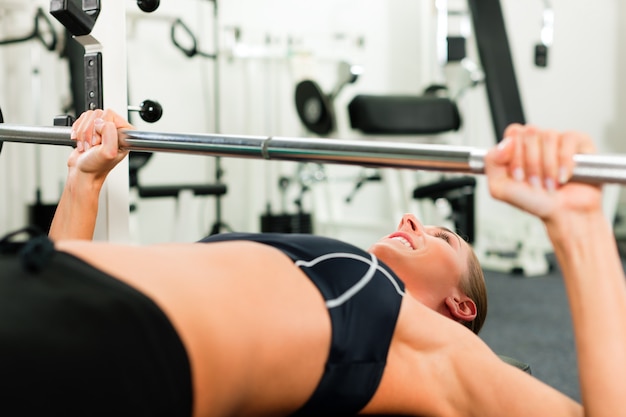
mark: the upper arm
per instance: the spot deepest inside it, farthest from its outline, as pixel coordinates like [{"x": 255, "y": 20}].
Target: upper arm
[{"x": 438, "y": 367}]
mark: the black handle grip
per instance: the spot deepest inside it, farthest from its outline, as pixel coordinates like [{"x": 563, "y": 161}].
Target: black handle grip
[{"x": 148, "y": 6}]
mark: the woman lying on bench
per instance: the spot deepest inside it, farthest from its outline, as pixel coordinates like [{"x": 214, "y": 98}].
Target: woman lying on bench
[{"x": 247, "y": 324}]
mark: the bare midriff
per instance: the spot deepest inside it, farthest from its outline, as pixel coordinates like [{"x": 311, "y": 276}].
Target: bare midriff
[{"x": 254, "y": 327}]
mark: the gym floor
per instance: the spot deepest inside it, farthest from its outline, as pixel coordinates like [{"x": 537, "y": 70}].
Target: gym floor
[{"x": 529, "y": 320}]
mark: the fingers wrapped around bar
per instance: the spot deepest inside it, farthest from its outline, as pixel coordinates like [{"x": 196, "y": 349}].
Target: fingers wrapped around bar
[
  {"x": 531, "y": 167},
  {"x": 97, "y": 144}
]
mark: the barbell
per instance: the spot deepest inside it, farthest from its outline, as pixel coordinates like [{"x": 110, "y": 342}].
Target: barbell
[{"x": 593, "y": 168}]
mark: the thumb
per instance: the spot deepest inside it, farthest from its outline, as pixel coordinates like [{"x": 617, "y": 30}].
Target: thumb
[
  {"x": 503, "y": 152},
  {"x": 498, "y": 159},
  {"x": 108, "y": 132},
  {"x": 499, "y": 163}
]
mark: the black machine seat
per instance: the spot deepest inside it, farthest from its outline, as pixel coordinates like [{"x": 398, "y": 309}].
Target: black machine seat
[
  {"x": 424, "y": 114},
  {"x": 459, "y": 192},
  {"x": 403, "y": 114}
]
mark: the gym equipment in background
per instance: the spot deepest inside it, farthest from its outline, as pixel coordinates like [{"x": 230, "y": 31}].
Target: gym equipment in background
[
  {"x": 86, "y": 77},
  {"x": 547, "y": 35},
  {"x": 496, "y": 61},
  {"x": 524, "y": 253},
  {"x": 315, "y": 108},
  {"x": 403, "y": 114},
  {"x": 433, "y": 111},
  {"x": 39, "y": 213},
  {"x": 188, "y": 45},
  {"x": 285, "y": 222},
  {"x": 148, "y": 6},
  {"x": 149, "y": 110},
  {"x": 181, "y": 193},
  {"x": 79, "y": 20},
  {"x": 458, "y": 192},
  {"x": 48, "y": 37},
  {"x": 420, "y": 115}
]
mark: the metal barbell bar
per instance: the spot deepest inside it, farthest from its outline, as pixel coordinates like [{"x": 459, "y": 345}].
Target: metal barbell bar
[{"x": 593, "y": 168}]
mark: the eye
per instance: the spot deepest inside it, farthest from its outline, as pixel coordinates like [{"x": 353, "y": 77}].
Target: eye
[{"x": 443, "y": 235}]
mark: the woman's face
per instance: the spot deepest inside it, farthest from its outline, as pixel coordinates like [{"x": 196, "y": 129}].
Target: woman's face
[{"x": 430, "y": 260}]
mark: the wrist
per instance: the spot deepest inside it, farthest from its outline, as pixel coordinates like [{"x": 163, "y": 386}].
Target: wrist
[
  {"x": 573, "y": 231},
  {"x": 82, "y": 184}
]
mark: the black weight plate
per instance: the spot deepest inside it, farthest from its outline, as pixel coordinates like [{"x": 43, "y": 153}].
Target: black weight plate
[{"x": 314, "y": 108}]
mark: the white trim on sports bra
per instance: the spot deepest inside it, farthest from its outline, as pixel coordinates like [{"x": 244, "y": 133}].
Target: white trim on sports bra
[{"x": 363, "y": 281}]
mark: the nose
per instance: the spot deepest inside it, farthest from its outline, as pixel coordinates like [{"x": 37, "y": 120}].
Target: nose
[{"x": 409, "y": 221}]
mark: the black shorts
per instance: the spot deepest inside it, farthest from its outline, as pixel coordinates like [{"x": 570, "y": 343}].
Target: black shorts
[{"x": 74, "y": 341}]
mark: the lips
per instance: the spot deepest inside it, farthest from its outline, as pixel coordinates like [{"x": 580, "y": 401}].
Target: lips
[{"x": 404, "y": 239}]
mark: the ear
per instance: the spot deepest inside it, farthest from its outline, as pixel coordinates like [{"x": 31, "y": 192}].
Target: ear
[{"x": 461, "y": 308}]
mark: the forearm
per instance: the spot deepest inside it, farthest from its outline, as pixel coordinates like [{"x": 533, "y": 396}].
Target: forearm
[
  {"x": 97, "y": 153},
  {"x": 585, "y": 248},
  {"x": 76, "y": 213}
]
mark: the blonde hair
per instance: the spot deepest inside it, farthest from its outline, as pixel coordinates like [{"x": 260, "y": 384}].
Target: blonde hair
[{"x": 473, "y": 285}]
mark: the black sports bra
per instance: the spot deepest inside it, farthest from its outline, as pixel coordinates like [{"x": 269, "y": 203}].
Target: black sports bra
[{"x": 363, "y": 297}]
